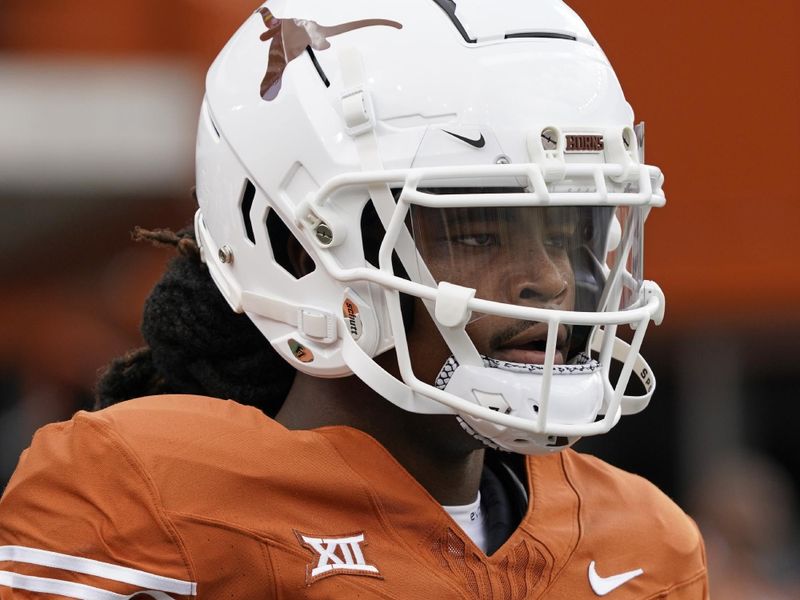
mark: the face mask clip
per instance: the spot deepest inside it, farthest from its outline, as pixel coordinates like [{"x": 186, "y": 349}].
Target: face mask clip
[{"x": 452, "y": 304}]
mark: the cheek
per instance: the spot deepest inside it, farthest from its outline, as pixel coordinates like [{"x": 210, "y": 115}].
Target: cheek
[
  {"x": 467, "y": 269},
  {"x": 492, "y": 283},
  {"x": 483, "y": 328},
  {"x": 567, "y": 271},
  {"x": 426, "y": 347}
]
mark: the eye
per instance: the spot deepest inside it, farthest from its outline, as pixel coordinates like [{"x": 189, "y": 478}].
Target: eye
[
  {"x": 556, "y": 240},
  {"x": 476, "y": 240},
  {"x": 560, "y": 236}
]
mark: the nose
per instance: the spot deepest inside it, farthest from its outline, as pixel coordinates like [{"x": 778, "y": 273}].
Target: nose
[{"x": 540, "y": 282}]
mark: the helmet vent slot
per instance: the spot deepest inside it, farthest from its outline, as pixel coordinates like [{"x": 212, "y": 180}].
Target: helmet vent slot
[
  {"x": 372, "y": 233},
  {"x": 248, "y": 195},
  {"x": 287, "y": 251},
  {"x": 449, "y": 8},
  {"x": 317, "y": 66},
  {"x": 553, "y": 35}
]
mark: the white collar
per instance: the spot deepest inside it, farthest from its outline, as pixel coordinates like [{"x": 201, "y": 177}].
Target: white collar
[{"x": 471, "y": 519}]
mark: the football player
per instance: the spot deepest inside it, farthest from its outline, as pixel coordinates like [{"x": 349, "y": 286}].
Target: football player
[{"x": 433, "y": 211}]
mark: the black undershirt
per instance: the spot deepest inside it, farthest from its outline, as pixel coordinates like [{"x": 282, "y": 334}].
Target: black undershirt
[{"x": 504, "y": 498}]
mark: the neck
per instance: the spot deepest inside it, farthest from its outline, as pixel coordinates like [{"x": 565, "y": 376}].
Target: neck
[{"x": 432, "y": 448}]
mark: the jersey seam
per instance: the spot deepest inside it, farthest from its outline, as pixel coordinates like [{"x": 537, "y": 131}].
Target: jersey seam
[
  {"x": 267, "y": 556},
  {"x": 372, "y": 496},
  {"x": 556, "y": 574},
  {"x": 259, "y": 536},
  {"x": 654, "y": 596},
  {"x": 119, "y": 443},
  {"x": 527, "y": 526},
  {"x": 381, "y": 513},
  {"x": 268, "y": 542},
  {"x": 263, "y": 538}
]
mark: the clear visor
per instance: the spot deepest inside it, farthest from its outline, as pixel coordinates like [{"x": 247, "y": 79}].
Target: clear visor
[{"x": 586, "y": 259}]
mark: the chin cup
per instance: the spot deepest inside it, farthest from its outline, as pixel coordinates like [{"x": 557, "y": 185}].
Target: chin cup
[{"x": 575, "y": 398}]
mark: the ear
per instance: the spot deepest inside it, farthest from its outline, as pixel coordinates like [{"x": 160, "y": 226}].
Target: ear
[{"x": 301, "y": 261}]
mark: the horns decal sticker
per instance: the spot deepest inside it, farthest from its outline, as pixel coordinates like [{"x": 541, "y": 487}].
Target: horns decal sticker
[{"x": 291, "y": 37}]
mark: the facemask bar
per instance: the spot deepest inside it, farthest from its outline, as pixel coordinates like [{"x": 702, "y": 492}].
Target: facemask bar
[
  {"x": 319, "y": 208},
  {"x": 465, "y": 353},
  {"x": 611, "y": 297}
]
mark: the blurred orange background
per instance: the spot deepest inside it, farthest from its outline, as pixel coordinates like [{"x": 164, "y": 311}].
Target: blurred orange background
[{"x": 718, "y": 84}]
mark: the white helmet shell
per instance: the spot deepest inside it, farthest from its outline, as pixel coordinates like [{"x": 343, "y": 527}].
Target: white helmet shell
[{"x": 315, "y": 108}]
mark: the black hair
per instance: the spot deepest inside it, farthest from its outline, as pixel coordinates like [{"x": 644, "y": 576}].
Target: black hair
[{"x": 195, "y": 343}]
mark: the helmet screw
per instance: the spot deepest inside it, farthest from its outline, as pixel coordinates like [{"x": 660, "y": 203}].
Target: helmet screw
[
  {"x": 324, "y": 234},
  {"x": 226, "y": 255},
  {"x": 503, "y": 160}
]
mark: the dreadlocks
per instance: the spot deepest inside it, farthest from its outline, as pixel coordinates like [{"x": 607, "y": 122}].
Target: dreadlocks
[{"x": 195, "y": 343}]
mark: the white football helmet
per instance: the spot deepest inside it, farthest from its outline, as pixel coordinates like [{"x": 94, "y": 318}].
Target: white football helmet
[{"x": 492, "y": 144}]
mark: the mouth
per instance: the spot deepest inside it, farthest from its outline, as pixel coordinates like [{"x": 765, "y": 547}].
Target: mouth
[{"x": 530, "y": 346}]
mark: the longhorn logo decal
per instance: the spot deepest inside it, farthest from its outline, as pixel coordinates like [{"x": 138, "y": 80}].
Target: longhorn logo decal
[{"x": 291, "y": 37}]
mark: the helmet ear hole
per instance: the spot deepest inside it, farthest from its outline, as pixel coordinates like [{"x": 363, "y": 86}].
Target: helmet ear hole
[
  {"x": 287, "y": 251},
  {"x": 301, "y": 262}
]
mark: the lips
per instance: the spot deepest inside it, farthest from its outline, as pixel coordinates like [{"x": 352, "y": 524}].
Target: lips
[{"x": 529, "y": 346}]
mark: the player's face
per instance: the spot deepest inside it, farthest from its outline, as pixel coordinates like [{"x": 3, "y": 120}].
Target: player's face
[{"x": 519, "y": 256}]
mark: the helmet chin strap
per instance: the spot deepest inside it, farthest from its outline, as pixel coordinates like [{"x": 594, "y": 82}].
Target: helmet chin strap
[{"x": 621, "y": 350}]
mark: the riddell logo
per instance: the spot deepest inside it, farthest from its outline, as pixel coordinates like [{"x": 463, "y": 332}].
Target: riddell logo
[
  {"x": 585, "y": 143},
  {"x": 350, "y": 311},
  {"x": 291, "y": 37}
]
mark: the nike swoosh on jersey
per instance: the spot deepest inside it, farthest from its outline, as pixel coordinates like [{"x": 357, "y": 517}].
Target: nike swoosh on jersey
[
  {"x": 605, "y": 585},
  {"x": 479, "y": 143}
]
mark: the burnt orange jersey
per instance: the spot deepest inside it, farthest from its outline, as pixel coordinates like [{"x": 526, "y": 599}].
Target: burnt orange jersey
[{"x": 189, "y": 497}]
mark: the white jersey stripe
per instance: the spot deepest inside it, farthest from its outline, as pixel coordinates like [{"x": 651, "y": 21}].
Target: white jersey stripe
[
  {"x": 67, "y": 588},
  {"x": 96, "y": 568}
]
